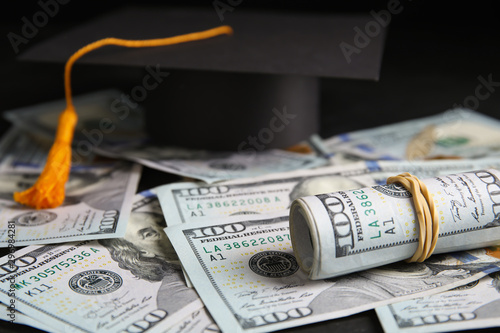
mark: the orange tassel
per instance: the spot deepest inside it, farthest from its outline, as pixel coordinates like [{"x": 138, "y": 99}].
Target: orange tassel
[{"x": 49, "y": 189}]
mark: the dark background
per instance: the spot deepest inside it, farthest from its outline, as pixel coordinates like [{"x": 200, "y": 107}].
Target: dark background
[{"x": 434, "y": 54}]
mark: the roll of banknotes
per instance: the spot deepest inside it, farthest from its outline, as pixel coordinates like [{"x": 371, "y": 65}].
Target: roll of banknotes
[{"x": 347, "y": 231}]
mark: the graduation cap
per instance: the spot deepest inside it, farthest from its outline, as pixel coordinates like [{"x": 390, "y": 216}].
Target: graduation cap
[{"x": 254, "y": 89}]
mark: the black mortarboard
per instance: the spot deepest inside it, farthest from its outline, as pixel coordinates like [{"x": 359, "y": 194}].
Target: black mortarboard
[{"x": 256, "y": 89}]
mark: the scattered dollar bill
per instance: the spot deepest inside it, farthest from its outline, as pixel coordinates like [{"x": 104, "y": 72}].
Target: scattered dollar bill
[
  {"x": 97, "y": 203},
  {"x": 106, "y": 116},
  {"x": 110, "y": 285},
  {"x": 455, "y": 133},
  {"x": 245, "y": 271},
  {"x": 210, "y": 166},
  {"x": 472, "y": 306},
  {"x": 187, "y": 201},
  {"x": 98, "y": 206}
]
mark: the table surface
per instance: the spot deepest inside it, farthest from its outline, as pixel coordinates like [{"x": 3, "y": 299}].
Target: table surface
[{"x": 432, "y": 61}]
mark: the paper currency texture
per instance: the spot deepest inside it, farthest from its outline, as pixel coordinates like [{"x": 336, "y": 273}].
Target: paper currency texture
[
  {"x": 98, "y": 196},
  {"x": 471, "y": 306},
  {"x": 129, "y": 284},
  {"x": 247, "y": 275},
  {"x": 454, "y": 133},
  {"x": 347, "y": 231},
  {"x": 188, "y": 201}
]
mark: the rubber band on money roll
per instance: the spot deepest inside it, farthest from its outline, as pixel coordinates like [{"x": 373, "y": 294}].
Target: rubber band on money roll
[
  {"x": 49, "y": 189},
  {"x": 426, "y": 214}
]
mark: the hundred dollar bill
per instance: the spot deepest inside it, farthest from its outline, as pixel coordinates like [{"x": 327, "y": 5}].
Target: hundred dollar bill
[
  {"x": 454, "y": 133},
  {"x": 187, "y": 201},
  {"x": 111, "y": 285},
  {"x": 210, "y": 166},
  {"x": 472, "y": 306},
  {"x": 245, "y": 271},
  {"x": 107, "y": 116},
  {"x": 97, "y": 203},
  {"x": 346, "y": 231}
]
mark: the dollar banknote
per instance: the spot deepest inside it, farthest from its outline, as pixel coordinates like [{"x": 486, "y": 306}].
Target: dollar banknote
[
  {"x": 127, "y": 284},
  {"x": 346, "y": 231},
  {"x": 245, "y": 271},
  {"x": 475, "y": 305},
  {"x": 456, "y": 133},
  {"x": 106, "y": 116},
  {"x": 210, "y": 166},
  {"x": 188, "y": 201},
  {"x": 97, "y": 204}
]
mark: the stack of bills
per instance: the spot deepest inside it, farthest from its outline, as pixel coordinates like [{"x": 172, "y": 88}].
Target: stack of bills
[{"x": 214, "y": 250}]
